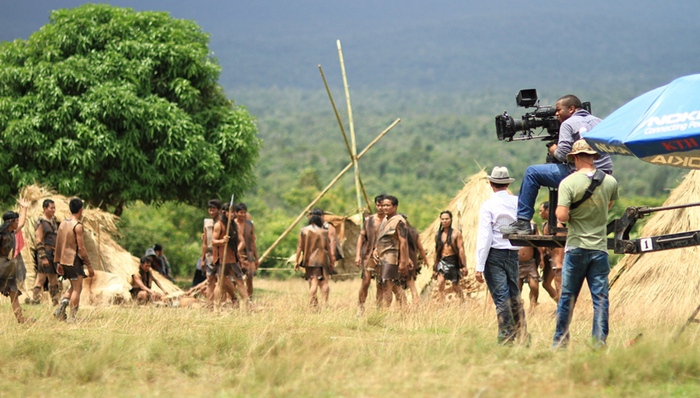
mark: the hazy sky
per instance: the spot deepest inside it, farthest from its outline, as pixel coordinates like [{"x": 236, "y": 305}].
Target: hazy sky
[{"x": 433, "y": 45}]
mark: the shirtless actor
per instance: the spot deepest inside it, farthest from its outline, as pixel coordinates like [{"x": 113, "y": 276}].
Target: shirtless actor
[
  {"x": 529, "y": 259},
  {"x": 247, "y": 250},
  {"x": 450, "y": 260},
  {"x": 231, "y": 264}
]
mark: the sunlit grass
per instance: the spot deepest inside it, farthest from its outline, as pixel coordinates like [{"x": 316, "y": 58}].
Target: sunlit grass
[{"x": 285, "y": 349}]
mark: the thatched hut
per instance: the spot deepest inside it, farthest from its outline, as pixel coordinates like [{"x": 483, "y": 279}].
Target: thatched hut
[
  {"x": 113, "y": 265},
  {"x": 662, "y": 285},
  {"x": 465, "y": 211}
]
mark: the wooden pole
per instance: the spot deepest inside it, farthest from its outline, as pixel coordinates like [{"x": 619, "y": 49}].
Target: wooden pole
[
  {"x": 320, "y": 195},
  {"x": 345, "y": 137},
  {"x": 99, "y": 245},
  {"x": 352, "y": 128}
]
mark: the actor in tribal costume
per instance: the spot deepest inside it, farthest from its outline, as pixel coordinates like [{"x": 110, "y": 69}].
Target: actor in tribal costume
[
  {"x": 392, "y": 250},
  {"x": 8, "y": 261},
  {"x": 228, "y": 240},
  {"x": 366, "y": 242},
  {"x": 315, "y": 254},
  {"x": 46, "y": 229},
  {"x": 450, "y": 260},
  {"x": 247, "y": 250},
  {"x": 141, "y": 282},
  {"x": 70, "y": 257}
]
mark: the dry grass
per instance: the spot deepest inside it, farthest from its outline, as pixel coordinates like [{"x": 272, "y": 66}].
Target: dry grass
[
  {"x": 284, "y": 349},
  {"x": 656, "y": 286}
]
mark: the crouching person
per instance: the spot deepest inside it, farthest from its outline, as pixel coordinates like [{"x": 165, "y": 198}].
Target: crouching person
[
  {"x": 70, "y": 257},
  {"x": 141, "y": 284}
]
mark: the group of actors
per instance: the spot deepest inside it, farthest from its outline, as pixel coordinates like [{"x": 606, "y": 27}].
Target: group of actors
[
  {"x": 388, "y": 247},
  {"x": 60, "y": 251}
]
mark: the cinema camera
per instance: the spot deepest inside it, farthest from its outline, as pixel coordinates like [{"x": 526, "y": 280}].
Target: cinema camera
[{"x": 544, "y": 117}]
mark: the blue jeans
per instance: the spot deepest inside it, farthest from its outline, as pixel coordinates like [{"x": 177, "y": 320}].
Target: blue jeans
[
  {"x": 592, "y": 265},
  {"x": 548, "y": 175},
  {"x": 501, "y": 273}
]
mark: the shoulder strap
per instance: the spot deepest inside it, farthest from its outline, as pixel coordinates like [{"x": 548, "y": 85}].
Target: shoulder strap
[{"x": 597, "y": 179}]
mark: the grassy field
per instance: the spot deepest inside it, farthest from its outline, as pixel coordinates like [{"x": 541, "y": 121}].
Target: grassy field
[{"x": 284, "y": 349}]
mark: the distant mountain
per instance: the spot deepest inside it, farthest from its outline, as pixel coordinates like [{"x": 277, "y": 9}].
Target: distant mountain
[{"x": 436, "y": 46}]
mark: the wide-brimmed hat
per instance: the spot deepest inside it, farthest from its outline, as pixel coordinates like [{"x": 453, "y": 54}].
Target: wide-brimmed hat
[
  {"x": 499, "y": 175},
  {"x": 581, "y": 146}
]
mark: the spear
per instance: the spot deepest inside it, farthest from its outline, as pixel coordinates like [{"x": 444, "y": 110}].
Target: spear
[{"x": 219, "y": 286}]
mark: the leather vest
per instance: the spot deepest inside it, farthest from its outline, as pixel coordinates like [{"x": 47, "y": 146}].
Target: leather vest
[
  {"x": 314, "y": 241},
  {"x": 388, "y": 240},
  {"x": 66, "y": 242},
  {"x": 371, "y": 228},
  {"x": 50, "y": 230}
]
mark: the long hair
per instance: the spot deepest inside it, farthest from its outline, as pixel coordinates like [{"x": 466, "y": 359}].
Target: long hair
[
  {"x": 439, "y": 244},
  {"x": 316, "y": 220}
]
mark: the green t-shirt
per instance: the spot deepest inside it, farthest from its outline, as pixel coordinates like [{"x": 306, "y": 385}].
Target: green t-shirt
[{"x": 587, "y": 223}]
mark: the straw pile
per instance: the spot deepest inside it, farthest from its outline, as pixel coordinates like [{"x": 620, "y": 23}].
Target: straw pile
[
  {"x": 465, "y": 211},
  {"x": 117, "y": 264},
  {"x": 662, "y": 284}
]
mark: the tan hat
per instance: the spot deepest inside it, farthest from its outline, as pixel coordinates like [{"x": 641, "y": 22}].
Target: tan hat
[
  {"x": 499, "y": 175},
  {"x": 581, "y": 146}
]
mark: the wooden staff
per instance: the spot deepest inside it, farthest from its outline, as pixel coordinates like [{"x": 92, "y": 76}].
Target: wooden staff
[
  {"x": 352, "y": 129},
  {"x": 306, "y": 210},
  {"x": 345, "y": 137}
]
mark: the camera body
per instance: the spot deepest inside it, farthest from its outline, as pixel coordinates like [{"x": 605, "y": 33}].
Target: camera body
[{"x": 544, "y": 117}]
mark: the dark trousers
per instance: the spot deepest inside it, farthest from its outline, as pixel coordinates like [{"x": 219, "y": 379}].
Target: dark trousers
[{"x": 501, "y": 274}]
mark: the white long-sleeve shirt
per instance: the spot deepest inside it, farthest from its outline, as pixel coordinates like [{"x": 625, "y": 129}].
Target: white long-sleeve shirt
[{"x": 499, "y": 210}]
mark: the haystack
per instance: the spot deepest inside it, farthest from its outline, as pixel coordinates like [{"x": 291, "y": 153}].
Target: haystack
[
  {"x": 348, "y": 229},
  {"x": 114, "y": 265},
  {"x": 662, "y": 285},
  {"x": 465, "y": 211}
]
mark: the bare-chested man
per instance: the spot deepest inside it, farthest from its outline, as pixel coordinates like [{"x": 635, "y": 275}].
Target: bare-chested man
[
  {"x": 366, "y": 242},
  {"x": 231, "y": 264},
  {"x": 450, "y": 260},
  {"x": 71, "y": 256},
  {"x": 415, "y": 247},
  {"x": 247, "y": 250},
  {"x": 529, "y": 258},
  {"x": 141, "y": 282},
  {"x": 556, "y": 255},
  {"x": 315, "y": 254},
  {"x": 46, "y": 229},
  {"x": 392, "y": 250},
  {"x": 207, "y": 260}
]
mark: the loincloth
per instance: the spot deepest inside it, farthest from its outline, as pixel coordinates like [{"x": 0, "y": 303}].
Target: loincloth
[
  {"x": 449, "y": 268},
  {"x": 528, "y": 269}
]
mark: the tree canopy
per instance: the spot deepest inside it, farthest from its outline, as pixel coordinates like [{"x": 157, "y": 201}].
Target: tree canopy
[{"x": 115, "y": 105}]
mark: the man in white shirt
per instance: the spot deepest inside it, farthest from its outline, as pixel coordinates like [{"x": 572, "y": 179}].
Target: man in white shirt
[{"x": 497, "y": 259}]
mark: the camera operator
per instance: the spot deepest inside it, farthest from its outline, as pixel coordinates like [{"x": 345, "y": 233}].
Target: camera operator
[{"x": 574, "y": 121}]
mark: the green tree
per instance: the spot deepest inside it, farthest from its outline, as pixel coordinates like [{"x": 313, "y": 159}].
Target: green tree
[{"x": 116, "y": 106}]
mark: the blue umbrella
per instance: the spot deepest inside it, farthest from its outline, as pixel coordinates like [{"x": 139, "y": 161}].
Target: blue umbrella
[{"x": 660, "y": 127}]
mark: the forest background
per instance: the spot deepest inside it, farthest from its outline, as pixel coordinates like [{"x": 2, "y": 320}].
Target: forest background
[{"x": 446, "y": 69}]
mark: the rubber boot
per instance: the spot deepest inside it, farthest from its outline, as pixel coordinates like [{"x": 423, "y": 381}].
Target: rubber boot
[{"x": 55, "y": 294}]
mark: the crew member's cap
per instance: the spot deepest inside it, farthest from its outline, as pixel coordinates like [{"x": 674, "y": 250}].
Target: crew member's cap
[
  {"x": 581, "y": 146},
  {"x": 150, "y": 252},
  {"x": 499, "y": 175}
]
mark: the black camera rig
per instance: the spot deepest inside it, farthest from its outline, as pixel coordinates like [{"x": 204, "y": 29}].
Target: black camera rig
[{"x": 544, "y": 117}]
